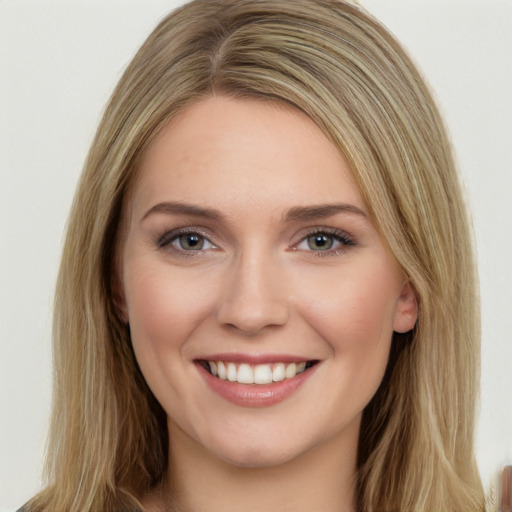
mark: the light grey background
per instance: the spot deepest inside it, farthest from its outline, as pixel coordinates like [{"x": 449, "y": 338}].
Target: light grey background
[{"x": 59, "y": 61}]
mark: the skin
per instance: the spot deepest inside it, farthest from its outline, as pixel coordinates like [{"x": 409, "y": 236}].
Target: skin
[{"x": 260, "y": 284}]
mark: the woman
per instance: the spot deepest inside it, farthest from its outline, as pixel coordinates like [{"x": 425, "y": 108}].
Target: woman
[{"x": 267, "y": 297}]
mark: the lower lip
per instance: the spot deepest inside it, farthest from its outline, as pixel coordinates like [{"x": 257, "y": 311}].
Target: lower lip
[{"x": 255, "y": 395}]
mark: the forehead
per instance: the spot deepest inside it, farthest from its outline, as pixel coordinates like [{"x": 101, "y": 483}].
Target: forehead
[{"x": 242, "y": 153}]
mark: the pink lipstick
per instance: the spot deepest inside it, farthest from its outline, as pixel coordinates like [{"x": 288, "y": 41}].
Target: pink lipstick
[{"x": 255, "y": 381}]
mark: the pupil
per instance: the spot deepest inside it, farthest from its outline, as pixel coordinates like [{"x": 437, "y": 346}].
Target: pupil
[
  {"x": 320, "y": 242},
  {"x": 191, "y": 242}
]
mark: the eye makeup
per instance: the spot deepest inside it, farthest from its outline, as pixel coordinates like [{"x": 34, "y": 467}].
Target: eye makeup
[
  {"x": 186, "y": 241},
  {"x": 324, "y": 241},
  {"x": 193, "y": 240}
]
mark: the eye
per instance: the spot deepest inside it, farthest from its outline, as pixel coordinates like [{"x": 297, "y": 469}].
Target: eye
[
  {"x": 320, "y": 242},
  {"x": 325, "y": 241},
  {"x": 185, "y": 241},
  {"x": 190, "y": 242}
]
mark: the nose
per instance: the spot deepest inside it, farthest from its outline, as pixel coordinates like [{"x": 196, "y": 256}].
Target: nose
[{"x": 254, "y": 296}]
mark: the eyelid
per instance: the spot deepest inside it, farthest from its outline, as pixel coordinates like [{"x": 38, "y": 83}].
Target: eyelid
[
  {"x": 165, "y": 240},
  {"x": 345, "y": 240}
]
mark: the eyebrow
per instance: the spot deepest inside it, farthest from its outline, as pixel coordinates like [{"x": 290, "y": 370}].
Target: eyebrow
[
  {"x": 179, "y": 208},
  {"x": 322, "y": 211},
  {"x": 295, "y": 214}
]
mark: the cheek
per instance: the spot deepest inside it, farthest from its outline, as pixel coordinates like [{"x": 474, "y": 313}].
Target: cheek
[
  {"x": 353, "y": 310},
  {"x": 164, "y": 307}
]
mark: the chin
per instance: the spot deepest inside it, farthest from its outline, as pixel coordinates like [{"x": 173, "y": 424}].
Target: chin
[
  {"x": 258, "y": 457},
  {"x": 260, "y": 449}
]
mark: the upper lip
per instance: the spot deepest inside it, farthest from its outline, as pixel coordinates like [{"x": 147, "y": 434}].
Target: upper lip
[{"x": 254, "y": 359}]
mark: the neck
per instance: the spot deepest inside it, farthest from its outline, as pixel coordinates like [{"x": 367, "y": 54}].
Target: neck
[{"x": 316, "y": 480}]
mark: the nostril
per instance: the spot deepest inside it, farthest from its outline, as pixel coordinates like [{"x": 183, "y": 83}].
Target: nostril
[
  {"x": 251, "y": 320},
  {"x": 253, "y": 299}
]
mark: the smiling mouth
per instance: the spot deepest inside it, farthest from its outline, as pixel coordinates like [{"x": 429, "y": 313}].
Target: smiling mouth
[{"x": 244, "y": 373}]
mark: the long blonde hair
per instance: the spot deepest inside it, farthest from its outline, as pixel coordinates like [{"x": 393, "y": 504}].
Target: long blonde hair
[{"x": 331, "y": 60}]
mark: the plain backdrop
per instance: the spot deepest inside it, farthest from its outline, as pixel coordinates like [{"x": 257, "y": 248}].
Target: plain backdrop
[{"x": 59, "y": 61}]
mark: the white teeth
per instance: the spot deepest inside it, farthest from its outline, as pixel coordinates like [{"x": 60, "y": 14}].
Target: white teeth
[
  {"x": 231, "y": 372},
  {"x": 263, "y": 374},
  {"x": 221, "y": 370},
  {"x": 245, "y": 374},
  {"x": 278, "y": 373},
  {"x": 301, "y": 367},
  {"x": 259, "y": 374},
  {"x": 291, "y": 370}
]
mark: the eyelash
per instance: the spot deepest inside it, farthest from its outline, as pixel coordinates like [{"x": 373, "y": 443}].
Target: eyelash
[
  {"x": 169, "y": 237},
  {"x": 344, "y": 240}
]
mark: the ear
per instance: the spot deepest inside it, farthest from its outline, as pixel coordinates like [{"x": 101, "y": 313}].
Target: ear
[
  {"x": 406, "y": 312},
  {"x": 119, "y": 300},
  {"x": 117, "y": 282},
  {"x": 118, "y": 295}
]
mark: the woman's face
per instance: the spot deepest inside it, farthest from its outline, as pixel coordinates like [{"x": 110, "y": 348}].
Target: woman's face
[{"x": 249, "y": 253}]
